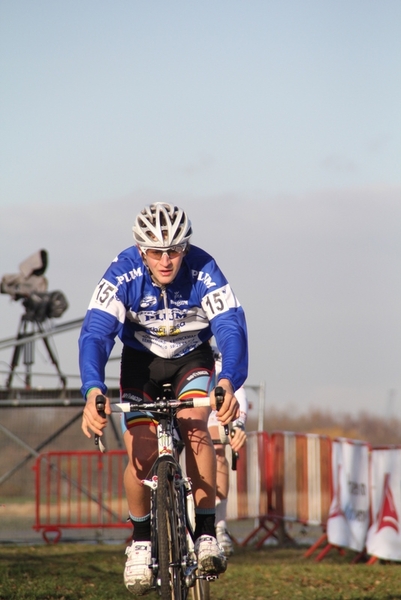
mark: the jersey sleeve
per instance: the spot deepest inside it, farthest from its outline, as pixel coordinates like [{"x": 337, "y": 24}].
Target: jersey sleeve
[
  {"x": 230, "y": 332},
  {"x": 228, "y": 325},
  {"x": 102, "y": 324}
]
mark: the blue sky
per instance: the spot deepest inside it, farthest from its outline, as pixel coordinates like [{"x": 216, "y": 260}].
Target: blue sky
[
  {"x": 100, "y": 98},
  {"x": 276, "y": 124}
]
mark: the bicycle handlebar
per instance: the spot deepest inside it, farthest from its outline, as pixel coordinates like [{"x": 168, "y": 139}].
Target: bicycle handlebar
[
  {"x": 156, "y": 405},
  {"x": 159, "y": 405}
]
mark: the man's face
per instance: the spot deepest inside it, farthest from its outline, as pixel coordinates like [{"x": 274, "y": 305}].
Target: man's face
[{"x": 164, "y": 269}]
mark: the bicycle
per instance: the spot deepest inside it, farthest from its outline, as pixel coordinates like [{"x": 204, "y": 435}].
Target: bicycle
[{"x": 172, "y": 514}]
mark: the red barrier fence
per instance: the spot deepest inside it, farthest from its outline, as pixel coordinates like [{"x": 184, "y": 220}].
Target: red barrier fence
[
  {"x": 79, "y": 490},
  {"x": 285, "y": 477},
  {"x": 301, "y": 477},
  {"x": 343, "y": 485},
  {"x": 250, "y": 485}
]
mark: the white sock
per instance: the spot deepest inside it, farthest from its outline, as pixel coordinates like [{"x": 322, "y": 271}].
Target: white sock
[{"x": 221, "y": 513}]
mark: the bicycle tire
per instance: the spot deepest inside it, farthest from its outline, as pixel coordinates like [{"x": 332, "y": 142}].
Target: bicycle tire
[
  {"x": 171, "y": 540},
  {"x": 201, "y": 590}
]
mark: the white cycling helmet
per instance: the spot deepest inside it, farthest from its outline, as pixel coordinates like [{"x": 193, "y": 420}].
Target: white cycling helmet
[{"x": 161, "y": 225}]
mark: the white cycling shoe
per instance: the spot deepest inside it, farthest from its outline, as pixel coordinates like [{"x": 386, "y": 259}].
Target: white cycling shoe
[
  {"x": 224, "y": 540},
  {"x": 210, "y": 555},
  {"x": 137, "y": 575}
]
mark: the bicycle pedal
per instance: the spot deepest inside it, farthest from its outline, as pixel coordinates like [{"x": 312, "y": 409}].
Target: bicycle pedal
[{"x": 209, "y": 577}]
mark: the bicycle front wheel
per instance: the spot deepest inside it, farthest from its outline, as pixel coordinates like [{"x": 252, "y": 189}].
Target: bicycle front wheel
[
  {"x": 201, "y": 590},
  {"x": 171, "y": 534}
]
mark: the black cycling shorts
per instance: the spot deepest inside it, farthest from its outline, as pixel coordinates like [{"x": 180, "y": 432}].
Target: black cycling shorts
[{"x": 143, "y": 374}]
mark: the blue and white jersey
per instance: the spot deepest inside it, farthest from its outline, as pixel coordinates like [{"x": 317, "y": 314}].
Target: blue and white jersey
[{"x": 168, "y": 321}]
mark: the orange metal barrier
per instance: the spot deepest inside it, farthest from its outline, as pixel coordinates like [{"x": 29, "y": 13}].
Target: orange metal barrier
[
  {"x": 250, "y": 486},
  {"x": 79, "y": 490},
  {"x": 248, "y": 492},
  {"x": 301, "y": 486}
]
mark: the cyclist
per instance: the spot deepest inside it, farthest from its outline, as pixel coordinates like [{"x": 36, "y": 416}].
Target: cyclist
[
  {"x": 236, "y": 439},
  {"x": 164, "y": 299}
]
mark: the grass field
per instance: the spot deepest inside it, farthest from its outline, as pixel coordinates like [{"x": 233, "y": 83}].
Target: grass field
[{"x": 68, "y": 571}]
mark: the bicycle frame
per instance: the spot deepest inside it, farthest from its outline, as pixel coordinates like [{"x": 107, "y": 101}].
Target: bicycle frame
[{"x": 169, "y": 445}]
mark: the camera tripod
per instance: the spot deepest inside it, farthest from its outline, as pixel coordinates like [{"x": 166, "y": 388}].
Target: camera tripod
[{"x": 29, "y": 331}]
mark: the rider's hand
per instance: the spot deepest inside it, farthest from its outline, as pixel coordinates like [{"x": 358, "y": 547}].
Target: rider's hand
[
  {"x": 91, "y": 420},
  {"x": 230, "y": 408},
  {"x": 237, "y": 438}
]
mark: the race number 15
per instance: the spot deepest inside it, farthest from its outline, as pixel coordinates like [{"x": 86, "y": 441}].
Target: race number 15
[
  {"x": 215, "y": 303},
  {"x": 105, "y": 292}
]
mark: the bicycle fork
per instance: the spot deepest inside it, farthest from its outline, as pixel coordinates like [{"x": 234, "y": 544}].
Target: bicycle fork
[{"x": 189, "y": 563}]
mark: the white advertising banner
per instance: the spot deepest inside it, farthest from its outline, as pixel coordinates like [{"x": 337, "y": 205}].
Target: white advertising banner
[
  {"x": 384, "y": 535},
  {"x": 349, "y": 514}
]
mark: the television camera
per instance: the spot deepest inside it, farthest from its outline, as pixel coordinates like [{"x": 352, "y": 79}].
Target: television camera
[{"x": 31, "y": 287}]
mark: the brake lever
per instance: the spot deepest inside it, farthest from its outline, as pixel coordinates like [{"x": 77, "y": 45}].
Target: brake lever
[
  {"x": 100, "y": 407},
  {"x": 234, "y": 458},
  {"x": 234, "y": 455},
  {"x": 219, "y": 394}
]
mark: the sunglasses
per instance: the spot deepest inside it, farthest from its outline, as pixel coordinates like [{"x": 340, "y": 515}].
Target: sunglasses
[{"x": 157, "y": 253}]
